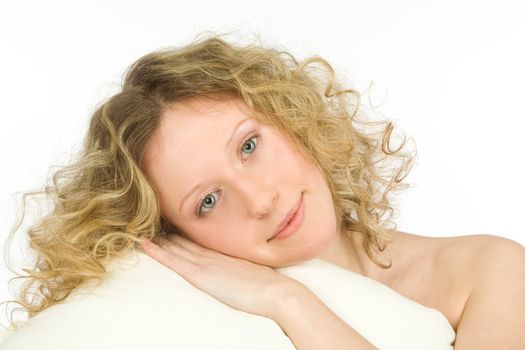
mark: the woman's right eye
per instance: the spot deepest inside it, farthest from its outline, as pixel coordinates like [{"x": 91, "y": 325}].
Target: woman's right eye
[{"x": 209, "y": 201}]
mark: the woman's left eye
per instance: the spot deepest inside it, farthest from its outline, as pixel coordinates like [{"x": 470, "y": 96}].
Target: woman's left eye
[
  {"x": 209, "y": 201},
  {"x": 252, "y": 144}
]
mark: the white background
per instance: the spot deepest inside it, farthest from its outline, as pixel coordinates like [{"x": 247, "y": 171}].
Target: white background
[{"x": 449, "y": 74}]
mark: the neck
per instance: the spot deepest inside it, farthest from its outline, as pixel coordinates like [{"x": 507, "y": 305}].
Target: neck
[{"x": 346, "y": 251}]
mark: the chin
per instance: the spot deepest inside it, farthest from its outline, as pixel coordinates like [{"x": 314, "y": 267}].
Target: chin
[{"x": 306, "y": 251}]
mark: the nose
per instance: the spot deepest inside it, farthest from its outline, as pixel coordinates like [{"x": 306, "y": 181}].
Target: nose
[{"x": 260, "y": 200}]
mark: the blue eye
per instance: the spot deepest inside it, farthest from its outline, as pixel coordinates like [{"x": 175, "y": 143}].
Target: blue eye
[
  {"x": 209, "y": 201},
  {"x": 250, "y": 143}
]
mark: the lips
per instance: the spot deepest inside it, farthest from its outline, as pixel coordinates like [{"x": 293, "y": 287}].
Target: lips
[{"x": 289, "y": 215}]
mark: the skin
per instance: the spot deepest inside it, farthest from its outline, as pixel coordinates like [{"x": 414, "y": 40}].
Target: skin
[
  {"x": 228, "y": 255},
  {"x": 241, "y": 186}
]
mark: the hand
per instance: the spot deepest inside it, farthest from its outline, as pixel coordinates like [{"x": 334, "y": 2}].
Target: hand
[{"x": 239, "y": 283}]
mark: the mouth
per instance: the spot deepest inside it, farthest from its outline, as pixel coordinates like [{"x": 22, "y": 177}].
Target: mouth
[{"x": 291, "y": 222}]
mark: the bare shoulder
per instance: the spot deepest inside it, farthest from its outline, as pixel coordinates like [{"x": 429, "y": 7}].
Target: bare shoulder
[
  {"x": 443, "y": 272},
  {"x": 468, "y": 265},
  {"x": 466, "y": 261},
  {"x": 498, "y": 247},
  {"x": 477, "y": 255},
  {"x": 494, "y": 269},
  {"x": 475, "y": 281}
]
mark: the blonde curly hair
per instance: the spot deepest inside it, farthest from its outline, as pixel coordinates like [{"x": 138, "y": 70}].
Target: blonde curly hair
[{"x": 103, "y": 203}]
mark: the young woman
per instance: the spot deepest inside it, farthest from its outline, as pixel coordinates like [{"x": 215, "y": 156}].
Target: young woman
[{"x": 223, "y": 162}]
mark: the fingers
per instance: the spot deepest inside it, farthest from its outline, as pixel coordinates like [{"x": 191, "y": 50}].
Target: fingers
[
  {"x": 189, "y": 245},
  {"x": 175, "y": 258},
  {"x": 181, "y": 247}
]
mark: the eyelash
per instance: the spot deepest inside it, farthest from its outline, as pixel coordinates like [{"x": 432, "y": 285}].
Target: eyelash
[{"x": 243, "y": 143}]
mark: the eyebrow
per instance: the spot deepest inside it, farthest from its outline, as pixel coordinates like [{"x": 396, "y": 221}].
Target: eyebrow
[{"x": 225, "y": 148}]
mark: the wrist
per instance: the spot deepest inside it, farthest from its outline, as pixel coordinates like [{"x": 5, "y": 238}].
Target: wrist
[
  {"x": 310, "y": 324},
  {"x": 281, "y": 296}
]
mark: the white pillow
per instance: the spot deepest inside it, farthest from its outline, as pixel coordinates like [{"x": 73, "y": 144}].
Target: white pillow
[{"x": 145, "y": 305}]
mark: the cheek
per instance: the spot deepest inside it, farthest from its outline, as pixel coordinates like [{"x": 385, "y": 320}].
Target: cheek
[
  {"x": 324, "y": 218},
  {"x": 222, "y": 237},
  {"x": 281, "y": 153}
]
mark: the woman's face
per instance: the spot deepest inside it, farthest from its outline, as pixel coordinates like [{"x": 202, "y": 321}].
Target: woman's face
[{"x": 243, "y": 177}]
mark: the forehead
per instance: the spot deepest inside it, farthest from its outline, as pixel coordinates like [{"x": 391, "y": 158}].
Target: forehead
[
  {"x": 189, "y": 144},
  {"x": 195, "y": 121}
]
